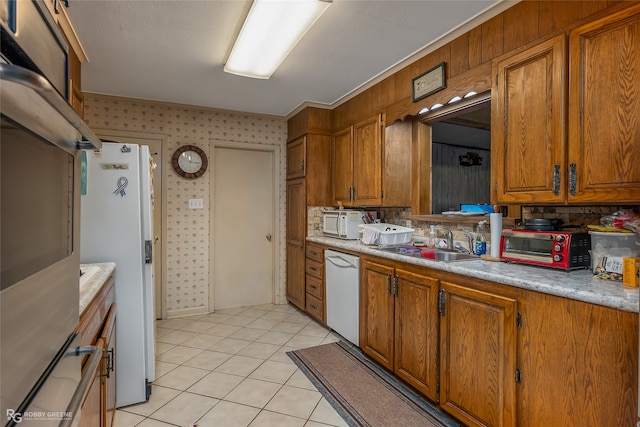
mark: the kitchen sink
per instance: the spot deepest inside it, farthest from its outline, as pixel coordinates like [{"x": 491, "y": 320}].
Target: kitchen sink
[
  {"x": 454, "y": 256},
  {"x": 444, "y": 255}
]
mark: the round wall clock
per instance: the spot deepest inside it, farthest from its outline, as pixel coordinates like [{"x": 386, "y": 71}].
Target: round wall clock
[{"x": 189, "y": 161}]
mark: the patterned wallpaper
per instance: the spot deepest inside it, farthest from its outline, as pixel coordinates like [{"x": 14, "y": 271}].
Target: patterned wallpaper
[{"x": 187, "y": 234}]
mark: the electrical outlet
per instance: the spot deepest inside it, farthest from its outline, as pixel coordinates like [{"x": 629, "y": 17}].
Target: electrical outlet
[{"x": 196, "y": 204}]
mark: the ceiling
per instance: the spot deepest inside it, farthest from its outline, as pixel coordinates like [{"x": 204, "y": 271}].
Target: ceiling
[{"x": 174, "y": 50}]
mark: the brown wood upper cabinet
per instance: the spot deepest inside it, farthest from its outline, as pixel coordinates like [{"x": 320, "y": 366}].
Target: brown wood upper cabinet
[
  {"x": 535, "y": 159},
  {"x": 604, "y": 110},
  {"x": 369, "y": 168},
  {"x": 527, "y": 125},
  {"x": 356, "y": 154}
]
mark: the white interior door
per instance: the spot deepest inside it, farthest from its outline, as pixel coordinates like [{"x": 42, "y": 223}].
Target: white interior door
[
  {"x": 155, "y": 144},
  {"x": 243, "y": 227}
]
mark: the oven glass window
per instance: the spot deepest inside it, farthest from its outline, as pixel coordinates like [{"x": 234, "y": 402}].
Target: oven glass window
[
  {"x": 36, "y": 204},
  {"x": 527, "y": 246}
]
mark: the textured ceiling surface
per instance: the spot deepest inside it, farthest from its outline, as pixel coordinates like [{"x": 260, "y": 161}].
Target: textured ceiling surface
[{"x": 174, "y": 50}]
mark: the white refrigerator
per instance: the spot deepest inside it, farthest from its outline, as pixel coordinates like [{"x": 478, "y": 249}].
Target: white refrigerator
[{"x": 116, "y": 226}]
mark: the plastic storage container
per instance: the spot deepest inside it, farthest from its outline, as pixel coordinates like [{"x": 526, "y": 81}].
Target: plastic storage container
[
  {"x": 606, "y": 247},
  {"x": 389, "y": 234}
]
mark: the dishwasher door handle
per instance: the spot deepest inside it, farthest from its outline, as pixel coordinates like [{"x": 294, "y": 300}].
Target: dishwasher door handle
[{"x": 340, "y": 262}]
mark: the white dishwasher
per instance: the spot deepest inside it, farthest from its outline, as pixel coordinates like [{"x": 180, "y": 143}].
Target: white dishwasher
[{"x": 342, "y": 276}]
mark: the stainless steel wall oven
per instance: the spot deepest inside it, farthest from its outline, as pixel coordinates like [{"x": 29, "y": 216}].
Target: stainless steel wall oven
[{"x": 42, "y": 382}]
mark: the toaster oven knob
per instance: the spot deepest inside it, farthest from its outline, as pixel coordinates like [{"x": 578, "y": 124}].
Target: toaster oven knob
[
  {"x": 557, "y": 248},
  {"x": 557, "y": 258},
  {"x": 560, "y": 238}
]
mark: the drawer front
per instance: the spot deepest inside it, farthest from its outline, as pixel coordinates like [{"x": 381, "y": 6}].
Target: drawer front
[
  {"x": 315, "y": 252},
  {"x": 314, "y": 268},
  {"x": 315, "y": 287},
  {"x": 315, "y": 307}
]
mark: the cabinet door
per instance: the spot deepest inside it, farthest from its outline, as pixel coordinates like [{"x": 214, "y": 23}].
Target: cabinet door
[
  {"x": 396, "y": 178},
  {"x": 367, "y": 161},
  {"x": 342, "y": 166},
  {"x": 416, "y": 332},
  {"x": 317, "y": 170},
  {"x": 296, "y": 232},
  {"x": 91, "y": 415},
  {"x": 527, "y": 125},
  {"x": 477, "y": 356},
  {"x": 295, "y": 275},
  {"x": 296, "y": 158},
  {"x": 377, "y": 312},
  {"x": 108, "y": 391},
  {"x": 604, "y": 111}
]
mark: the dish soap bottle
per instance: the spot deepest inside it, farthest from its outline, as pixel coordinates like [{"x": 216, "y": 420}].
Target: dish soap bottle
[
  {"x": 432, "y": 237},
  {"x": 481, "y": 241}
]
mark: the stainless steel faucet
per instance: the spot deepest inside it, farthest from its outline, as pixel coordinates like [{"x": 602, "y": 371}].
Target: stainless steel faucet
[
  {"x": 470, "y": 241},
  {"x": 448, "y": 236}
]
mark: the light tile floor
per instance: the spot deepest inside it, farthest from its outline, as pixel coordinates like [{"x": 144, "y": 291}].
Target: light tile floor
[{"x": 229, "y": 369}]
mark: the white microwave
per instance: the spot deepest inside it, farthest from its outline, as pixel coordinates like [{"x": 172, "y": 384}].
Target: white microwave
[{"x": 342, "y": 224}]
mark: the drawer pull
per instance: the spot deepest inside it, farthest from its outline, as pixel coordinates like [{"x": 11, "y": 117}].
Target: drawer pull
[
  {"x": 313, "y": 286},
  {"x": 314, "y": 253},
  {"x": 313, "y": 269},
  {"x": 109, "y": 358},
  {"x": 313, "y": 306}
]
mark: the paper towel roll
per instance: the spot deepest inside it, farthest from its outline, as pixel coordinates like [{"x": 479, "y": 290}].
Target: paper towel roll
[{"x": 495, "y": 220}]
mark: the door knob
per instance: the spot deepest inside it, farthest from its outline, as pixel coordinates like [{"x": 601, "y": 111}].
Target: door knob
[{"x": 268, "y": 236}]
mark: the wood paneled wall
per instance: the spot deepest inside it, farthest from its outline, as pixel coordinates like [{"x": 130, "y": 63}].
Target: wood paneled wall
[
  {"x": 453, "y": 184},
  {"x": 468, "y": 57}
]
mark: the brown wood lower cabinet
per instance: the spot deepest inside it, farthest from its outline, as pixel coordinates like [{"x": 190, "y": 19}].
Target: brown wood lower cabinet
[
  {"x": 98, "y": 328},
  {"x": 496, "y": 355},
  {"x": 108, "y": 369},
  {"x": 314, "y": 282},
  {"x": 579, "y": 363},
  {"x": 398, "y": 323},
  {"x": 477, "y": 355}
]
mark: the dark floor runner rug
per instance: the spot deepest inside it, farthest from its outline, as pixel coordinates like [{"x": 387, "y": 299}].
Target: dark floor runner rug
[{"x": 363, "y": 393}]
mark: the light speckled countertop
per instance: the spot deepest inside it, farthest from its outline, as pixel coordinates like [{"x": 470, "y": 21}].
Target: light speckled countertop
[
  {"x": 97, "y": 275},
  {"x": 577, "y": 285}
]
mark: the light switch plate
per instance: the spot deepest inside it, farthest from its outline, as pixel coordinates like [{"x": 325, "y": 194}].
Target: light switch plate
[{"x": 196, "y": 204}]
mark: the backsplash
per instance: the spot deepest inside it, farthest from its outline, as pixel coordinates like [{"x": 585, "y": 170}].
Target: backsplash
[
  {"x": 571, "y": 215},
  {"x": 188, "y": 230}
]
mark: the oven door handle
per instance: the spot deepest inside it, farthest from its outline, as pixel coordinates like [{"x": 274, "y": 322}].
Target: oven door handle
[
  {"x": 84, "y": 384},
  {"x": 28, "y": 97}
]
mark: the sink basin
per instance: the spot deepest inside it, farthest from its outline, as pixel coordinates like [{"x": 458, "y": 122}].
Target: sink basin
[
  {"x": 454, "y": 256},
  {"x": 444, "y": 255},
  {"x": 403, "y": 250}
]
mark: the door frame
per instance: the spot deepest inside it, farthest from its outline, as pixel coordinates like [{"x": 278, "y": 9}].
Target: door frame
[
  {"x": 163, "y": 183},
  {"x": 275, "y": 180}
]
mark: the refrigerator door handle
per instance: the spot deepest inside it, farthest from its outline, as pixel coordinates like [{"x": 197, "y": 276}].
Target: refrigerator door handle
[{"x": 148, "y": 251}]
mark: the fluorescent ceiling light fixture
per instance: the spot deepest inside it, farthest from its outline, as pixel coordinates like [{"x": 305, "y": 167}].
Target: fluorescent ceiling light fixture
[{"x": 271, "y": 30}]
